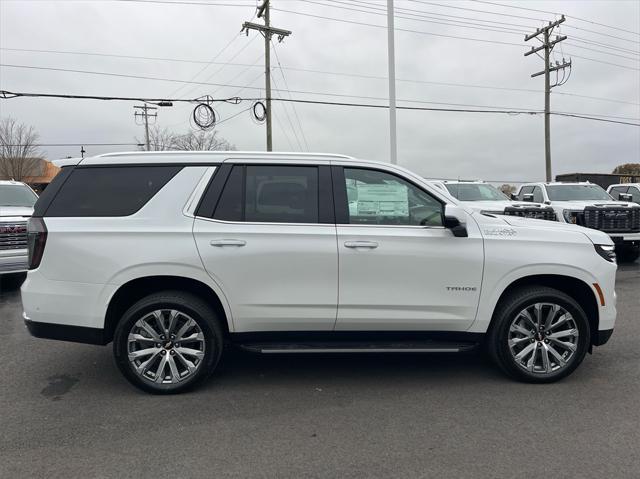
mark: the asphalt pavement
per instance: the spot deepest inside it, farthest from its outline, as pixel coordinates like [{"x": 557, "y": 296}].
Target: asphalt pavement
[{"x": 65, "y": 411}]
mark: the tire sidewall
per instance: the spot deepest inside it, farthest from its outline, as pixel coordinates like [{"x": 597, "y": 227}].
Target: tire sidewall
[
  {"x": 507, "y": 316},
  {"x": 212, "y": 337}
]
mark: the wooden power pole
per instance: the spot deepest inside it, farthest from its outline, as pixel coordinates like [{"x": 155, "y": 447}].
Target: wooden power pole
[
  {"x": 268, "y": 31},
  {"x": 144, "y": 113},
  {"x": 547, "y": 46}
]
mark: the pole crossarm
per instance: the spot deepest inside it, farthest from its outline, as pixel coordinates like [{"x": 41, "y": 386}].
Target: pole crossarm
[
  {"x": 542, "y": 47},
  {"x": 546, "y": 28},
  {"x": 553, "y": 69},
  {"x": 279, "y": 32}
]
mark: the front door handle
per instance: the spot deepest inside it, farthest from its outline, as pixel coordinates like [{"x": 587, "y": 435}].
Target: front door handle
[
  {"x": 227, "y": 242},
  {"x": 361, "y": 244}
]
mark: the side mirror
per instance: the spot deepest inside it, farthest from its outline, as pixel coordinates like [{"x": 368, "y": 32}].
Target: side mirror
[
  {"x": 514, "y": 196},
  {"x": 625, "y": 197},
  {"x": 528, "y": 197},
  {"x": 455, "y": 219}
]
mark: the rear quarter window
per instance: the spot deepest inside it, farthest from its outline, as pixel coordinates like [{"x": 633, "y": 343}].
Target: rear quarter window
[{"x": 109, "y": 191}]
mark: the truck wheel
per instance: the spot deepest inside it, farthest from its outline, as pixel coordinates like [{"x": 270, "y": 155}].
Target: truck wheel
[
  {"x": 628, "y": 253},
  {"x": 539, "y": 335},
  {"x": 168, "y": 342}
]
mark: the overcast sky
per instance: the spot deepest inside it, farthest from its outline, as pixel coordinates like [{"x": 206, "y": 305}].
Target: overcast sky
[{"x": 431, "y": 67}]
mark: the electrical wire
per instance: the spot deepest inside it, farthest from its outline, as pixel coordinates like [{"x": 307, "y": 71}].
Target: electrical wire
[
  {"x": 286, "y": 85},
  {"x": 324, "y": 72},
  {"x": 79, "y": 144},
  {"x": 7, "y": 94},
  {"x": 284, "y": 107}
]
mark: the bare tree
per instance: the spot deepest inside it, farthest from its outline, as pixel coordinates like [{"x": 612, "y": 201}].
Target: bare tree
[
  {"x": 507, "y": 189},
  {"x": 159, "y": 139},
  {"x": 202, "y": 141},
  {"x": 19, "y": 152},
  {"x": 162, "y": 139}
]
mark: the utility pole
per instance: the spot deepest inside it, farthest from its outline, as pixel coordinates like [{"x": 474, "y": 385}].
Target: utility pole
[
  {"x": 547, "y": 46},
  {"x": 82, "y": 151},
  {"x": 268, "y": 31},
  {"x": 392, "y": 83},
  {"x": 144, "y": 114}
]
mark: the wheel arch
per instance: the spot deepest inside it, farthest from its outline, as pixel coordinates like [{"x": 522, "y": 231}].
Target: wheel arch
[
  {"x": 136, "y": 289},
  {"x": 574, "y": 287}
]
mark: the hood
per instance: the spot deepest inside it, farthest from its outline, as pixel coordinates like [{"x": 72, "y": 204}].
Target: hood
[
  {"x": 579, "y": 205},
  {"x": 498, "y": 205},
  {"x": 15, "y": 211},
  {"x": 596, "y": 237}
]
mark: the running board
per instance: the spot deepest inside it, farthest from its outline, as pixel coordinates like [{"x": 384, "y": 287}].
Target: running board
[{"x": 359, "y": 347}]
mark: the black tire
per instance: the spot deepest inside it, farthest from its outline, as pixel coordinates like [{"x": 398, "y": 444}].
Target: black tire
[
  {"x": 185, "y": 303},
  {"x": 507, "y": 312},
  {"x": 627, "y": 254}
]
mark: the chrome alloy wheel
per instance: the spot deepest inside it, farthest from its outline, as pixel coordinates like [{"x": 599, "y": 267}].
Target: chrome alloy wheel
[
  {"x": 165, "y": 346},
  {"x": 543, "y": 338}
]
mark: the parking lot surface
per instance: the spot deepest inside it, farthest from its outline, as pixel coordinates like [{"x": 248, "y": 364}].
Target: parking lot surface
[{"x": 65, "y": 411}]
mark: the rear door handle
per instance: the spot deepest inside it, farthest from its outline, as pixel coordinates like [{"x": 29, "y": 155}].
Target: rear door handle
[
  {"x": 361, "y": 244},
  {"x": 227, "y": 242}
]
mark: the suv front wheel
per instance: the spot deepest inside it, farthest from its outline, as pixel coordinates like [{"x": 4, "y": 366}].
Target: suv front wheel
[
  {"x": 539, "y": 335},
  {"x": 168, "y": 342}
]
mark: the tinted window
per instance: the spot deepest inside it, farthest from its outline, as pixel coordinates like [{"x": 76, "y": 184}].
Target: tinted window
[
  {"x": 634, "y": 191},
  {"x": 109, "y": 191},
  {"x": 537, "y": 195},
  {"x": 230, "y": 204},
  {"x": 525, "y": 191},
  {"x": 376, "y": 197}
]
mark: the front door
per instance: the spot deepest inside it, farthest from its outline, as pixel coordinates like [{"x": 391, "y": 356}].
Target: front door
[
  {"x": 399, "y": 268},
  {"x": 270, "y": 244}
]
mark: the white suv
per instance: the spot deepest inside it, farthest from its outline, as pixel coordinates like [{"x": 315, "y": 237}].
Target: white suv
[
  {"x": 486, "y": 198},
  {"x": 16, "y": 205},
  {"x": 589, "y": 205},
  {"x": 172, "y": 255}
]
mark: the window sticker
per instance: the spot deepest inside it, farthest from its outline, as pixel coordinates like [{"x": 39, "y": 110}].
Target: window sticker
[{"x": 390, "y": 199}]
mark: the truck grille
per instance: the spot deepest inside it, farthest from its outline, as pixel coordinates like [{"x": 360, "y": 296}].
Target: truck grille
[
  {"x": 612, "y": 219},
  {"x": 13, "y": 236},
  {"x": 546, "y": 213}
]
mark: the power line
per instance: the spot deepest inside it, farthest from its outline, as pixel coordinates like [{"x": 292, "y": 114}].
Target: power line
[
  {"x": 555, "y": 13},
  {"x": 325, "y": 72},
  {"x": 80, "y": 144},
  {"x": 175, "y": 2}
]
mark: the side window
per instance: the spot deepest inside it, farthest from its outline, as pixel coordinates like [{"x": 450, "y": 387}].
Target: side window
[
  {"x": 109, "y": 191},
  {"x": 379, "y": 198},
  {"x": 281, "y": 194},
  {"x": 525, "y": 191},
  {"x": 634, "y": 191},
  {"x": 537, "y": 195},
  {"x": 270, "y": 194}
]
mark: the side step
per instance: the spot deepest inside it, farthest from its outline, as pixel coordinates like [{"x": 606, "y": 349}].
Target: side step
[{"x": 359, "y": 347}]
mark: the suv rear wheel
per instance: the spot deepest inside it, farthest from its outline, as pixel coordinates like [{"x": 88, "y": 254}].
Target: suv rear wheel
[
  {"x": 539, "y": 335},
  {"x": 168, "y": 342}
]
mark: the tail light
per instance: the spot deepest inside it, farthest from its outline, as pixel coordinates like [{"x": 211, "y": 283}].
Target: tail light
[{"x": 36, "y": 240}]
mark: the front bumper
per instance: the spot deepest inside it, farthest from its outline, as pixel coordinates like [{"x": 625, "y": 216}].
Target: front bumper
[
  {"x": 601, "y": 337},
  {"x": 64, "y": 332},
  {"x": 14, "y": 261},
  {"x": 625, "y": 237}
]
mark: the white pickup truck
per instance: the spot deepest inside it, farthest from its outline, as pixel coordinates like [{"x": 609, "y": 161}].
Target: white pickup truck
[
  {"x": 16, "y": 205},
  {"x": 587, "y": 204},
  {"x": 486, "y": 198}
]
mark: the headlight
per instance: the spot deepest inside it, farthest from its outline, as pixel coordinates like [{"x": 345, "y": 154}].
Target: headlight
[
  {"x": 570, "y": 216},
  {"x": 608, "y": 252}
]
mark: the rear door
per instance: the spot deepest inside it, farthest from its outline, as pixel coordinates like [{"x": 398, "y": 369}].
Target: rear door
[
  {"x": 266, "y": 235},
  {"x": 399, "y": 268}
]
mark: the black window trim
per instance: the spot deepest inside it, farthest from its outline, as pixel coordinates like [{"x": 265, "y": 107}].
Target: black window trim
[
  {"x": 340, "y": 195},
  {"x": 207, "y": 206}
]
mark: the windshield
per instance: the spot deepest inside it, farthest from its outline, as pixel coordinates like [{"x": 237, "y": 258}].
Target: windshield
[
  {"x": 576, "y": 192},
  {"x": 475, "y": 192},
  {"x": 17, "y": 195}
]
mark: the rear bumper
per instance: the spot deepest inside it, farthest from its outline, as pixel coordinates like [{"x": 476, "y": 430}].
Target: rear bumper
[
  {"x": 14, "y": 261},
  {"x": 63, "y": 332}
]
